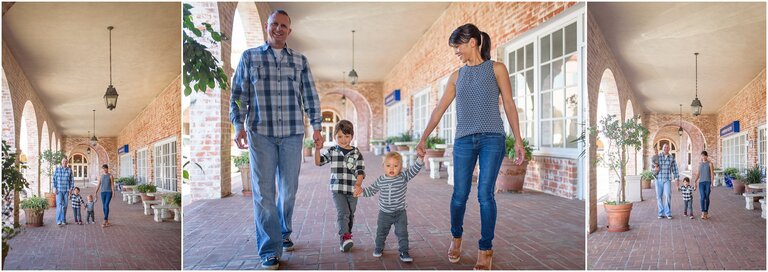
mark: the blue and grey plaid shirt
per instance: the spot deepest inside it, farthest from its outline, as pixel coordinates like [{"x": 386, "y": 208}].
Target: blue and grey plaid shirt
[
  {"x": 272, "y": 94},
  {"x": 63, "y": 180},
  {"x": 667, "y": 168}
]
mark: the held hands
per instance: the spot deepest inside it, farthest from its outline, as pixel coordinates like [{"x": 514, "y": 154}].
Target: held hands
[
  {"x": 241, "y": 139},
  {"x": 358, "y": 191},
  {"x": 319, "y": 140},
  {"x": 421, "y": 149}
]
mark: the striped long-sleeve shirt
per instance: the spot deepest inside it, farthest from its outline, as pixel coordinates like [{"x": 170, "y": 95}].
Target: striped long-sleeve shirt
[
  {"x": 393, "y": 189},
  {"x": 63, "y": 180},
  {"x": 269, "y": 93}
]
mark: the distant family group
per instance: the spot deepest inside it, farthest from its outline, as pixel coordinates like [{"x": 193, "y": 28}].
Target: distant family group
[
  {"x": 273, "y": 88},
  {"x": 665, "y": 169},
  {"x": 65, "y": 190}
]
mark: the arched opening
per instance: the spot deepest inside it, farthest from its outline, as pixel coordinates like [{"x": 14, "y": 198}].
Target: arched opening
[
  {"x": 355, "y": 108},
  {"x": 330, "y": 118},
  {"x": 684, "y": 148},
  {"x": 54, "y": 145},
  {"x": 93, "y": 157},
  {"x": 608, "y": 104},
  {"x": 29, "y": 147},
  {"x": 79, "y": 165},
  {"x": 247, "y": 30},
  {"x": 9, "y": 126},
  {"x": 45, "y": 145}
]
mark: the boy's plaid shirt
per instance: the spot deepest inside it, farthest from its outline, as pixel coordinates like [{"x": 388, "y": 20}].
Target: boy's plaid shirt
[
  {"x": 344, "y": 168},
  {"x": 76, "y": 201},
  {"x": 687, "y": 192}
]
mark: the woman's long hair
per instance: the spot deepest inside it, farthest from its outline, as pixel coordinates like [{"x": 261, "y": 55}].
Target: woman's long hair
[{"x": 466, "y": 32}]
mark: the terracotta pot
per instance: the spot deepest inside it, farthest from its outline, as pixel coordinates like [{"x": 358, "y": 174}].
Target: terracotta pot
[
  {"x": 307, "y": 152},
  {"x": 403, "y": 148},
  {"x": 34, "y": 219},
  {"x": 145, "y": 197},
  {"x": 432, "y": 153},
  {"x": 245, "y": 177},
  {"x": 511, "y": 177},
  {"x": 51, "y": 198},
  {"x": 738, "y": 186},
  {"x": 618, "y": 217},
  {"x": 646, "y": 184}
]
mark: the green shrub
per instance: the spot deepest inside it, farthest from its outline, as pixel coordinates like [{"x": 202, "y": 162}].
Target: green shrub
[
  {"x": 754, "y": 175},
  {"x": 433, "y": 141},
  {"x": 731, "y": 172},
  {"x": 146, "y": 188},
  {"x": 646, "y": 175},
  {"x": 510, "y": 143},
  {"x": 241, "y": 160},
  {"x": 35, "y": 203},
  {"x": 129, "y": 181},
  {"x": 309, "y": 143}
]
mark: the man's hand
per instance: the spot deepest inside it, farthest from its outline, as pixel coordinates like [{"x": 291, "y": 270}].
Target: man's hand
[
  {"x": 241, "y": 139},
  {"x": 319, "y": 140},
  {"x": 358, "y": 191}
]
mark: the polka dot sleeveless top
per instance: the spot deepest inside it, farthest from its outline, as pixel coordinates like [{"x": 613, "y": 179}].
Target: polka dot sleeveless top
[{"x": 477, "y": 101}]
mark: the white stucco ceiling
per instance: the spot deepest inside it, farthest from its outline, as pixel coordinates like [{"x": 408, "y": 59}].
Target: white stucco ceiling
[
  {"x": 63, "y": 49},
  {"x": 654, "y": 44},
  {"x": 385, "y": 32}
]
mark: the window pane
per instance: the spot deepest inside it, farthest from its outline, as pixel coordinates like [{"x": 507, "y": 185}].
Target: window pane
[
  {"x": 513, "y": 84},
  {"x": 557, "y": 133},
  {"x": 529, "y": 108},
  {"x": 572, "y": 70},
  {"x": 529, "y": 81},
  {"x": 546, "y": 79},
  {"x": 570, "y": 38},
  {"x": 520, "y": 59},
  {"x": 572, "y": 102},
  {"x": 558, "y": 103},
  {"x": 511, "y": 62},
  {"x": 546, "y": 129},
  {"x": 557, "y": 74},
  {"x": 531, "y": 135},
  {"x": 544, "y": 49},
  {"x": 546, "y": 106},
  {"x": 529, "y": 55},
  {"x": 557, "y": 43},
  {"x": 572, "y": 132}
]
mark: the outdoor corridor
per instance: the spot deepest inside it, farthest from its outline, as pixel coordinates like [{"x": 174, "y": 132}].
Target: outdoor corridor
[{"x": 533, "y": 231}]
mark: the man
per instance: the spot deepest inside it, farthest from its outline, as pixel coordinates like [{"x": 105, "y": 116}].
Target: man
[
  {"x": 270, "y": 87},
  {"x": 667, "y": 169},
  {"x": 63, "y": 182}
]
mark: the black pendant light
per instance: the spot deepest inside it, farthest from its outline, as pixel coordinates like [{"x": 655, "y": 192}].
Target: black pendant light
[
  {"x": 353, "y": 74},
  {"x": 94, "y": 140},
  {"x": 680, "y": 130},
  {"x": 110, "y": 97},
  {"x": 696, "y": 104}
]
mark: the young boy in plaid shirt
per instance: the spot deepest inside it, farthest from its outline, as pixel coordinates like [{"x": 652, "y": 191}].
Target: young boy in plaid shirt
[
  {"x": 347, "y": 173},
  {"x": 76, "y": 201}
]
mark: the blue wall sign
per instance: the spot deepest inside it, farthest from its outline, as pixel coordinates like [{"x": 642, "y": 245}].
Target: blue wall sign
[
  {"x": 730, "y": 129},
  {"x": 123, "y": 150},
  {"x": 392, "y": 98}
]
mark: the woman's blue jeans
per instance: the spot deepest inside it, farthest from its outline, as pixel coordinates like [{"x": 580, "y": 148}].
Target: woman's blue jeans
[
  {"x": 704, "y": 191},
  {"x": 490, "y": 149},
  {"x": 106, "y": 197}
]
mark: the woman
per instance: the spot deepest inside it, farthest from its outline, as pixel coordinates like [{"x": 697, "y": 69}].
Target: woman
[
  {"x": 106, "y": 183},
  {"x": 704, "y": 180},
  {"x": 479, "y": 133}
]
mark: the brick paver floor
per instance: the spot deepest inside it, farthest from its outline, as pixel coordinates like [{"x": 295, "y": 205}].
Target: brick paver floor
[
  {"x": 134, "y": 241},
  {"x": 533, "y": 231},
  {"x": 732, "y": 239}
]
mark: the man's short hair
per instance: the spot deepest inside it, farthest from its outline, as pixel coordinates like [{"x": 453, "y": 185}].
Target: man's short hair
[{"x": 281, "y": 11}]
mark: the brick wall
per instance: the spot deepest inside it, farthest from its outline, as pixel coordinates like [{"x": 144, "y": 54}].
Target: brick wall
[
  {"x": 105, "y": 152},
  {"x": 368, "y": 101},
  {"x": 160, "y": 120},
  {"x": 748, "y": 107}
]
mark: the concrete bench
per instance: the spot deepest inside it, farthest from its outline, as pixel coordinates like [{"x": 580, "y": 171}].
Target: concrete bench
[
  {"x": 434, "y": 166},
  {"x": 749, "y": 198},
  {"x": 148, "y": 206},
  {"x": 762, "y": 206},
  {"x": 161, "y": 212},
  {"x": 132, "y": 197},
  {"x": 408, "y": 158},
  {"x": 449, "y": 168}
]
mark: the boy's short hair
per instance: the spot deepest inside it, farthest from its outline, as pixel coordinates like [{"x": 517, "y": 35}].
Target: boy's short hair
[
  {"x": 393, "y": 155},
  {"x": 686, "y": 179},
  {"x": 345, "y": 127},
  {"x": 704, "y": 153},
  {"x": 105, "y": 166}
]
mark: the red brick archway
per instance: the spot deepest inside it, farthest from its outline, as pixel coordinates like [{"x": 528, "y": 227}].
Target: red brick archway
[
  {"x": 9, "y": 127},
  {"x": 97, "y": 157},
  {"x": 364, "y": 115},
  {"x": 29, "y": 145},
  {"x": 698, "y": 141}
]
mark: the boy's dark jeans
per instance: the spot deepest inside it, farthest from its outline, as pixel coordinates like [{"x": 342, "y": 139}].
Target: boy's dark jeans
[
  {"x": 385, "y": 222},
  {"x": 90, "y": 217},
  {"x": 78, "y": 216}
]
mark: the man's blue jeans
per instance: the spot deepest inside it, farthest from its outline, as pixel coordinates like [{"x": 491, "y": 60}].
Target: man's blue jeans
[
  {"x": 704, "y": 191},
  {"x": 490, "y": 149},
  {"x": 275, "y": 164},
  {"x": 663, "y": 190},
  {"x": 61, "y": 206}
]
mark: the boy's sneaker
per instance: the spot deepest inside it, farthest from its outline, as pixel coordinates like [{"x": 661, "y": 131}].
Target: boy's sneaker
[
  {"x": 377, "y": 252},
  {"x": 669, "y": 217},
  {"x": 346, "y": 242},
  {"x": 272, "y": 263},
  {"x": 692, "y": 216},
  {"x": 661, "y": 217},
  {"x": 287, "y": 245},
  {"x": 405, "y": 257},
  {"x": 685, "y": 214}
]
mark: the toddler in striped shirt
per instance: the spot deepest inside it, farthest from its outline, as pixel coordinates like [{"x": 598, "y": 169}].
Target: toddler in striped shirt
[{"x": 393, "y": 186}]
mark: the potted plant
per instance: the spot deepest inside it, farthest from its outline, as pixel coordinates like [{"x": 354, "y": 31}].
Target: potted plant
[
  {"x": 404, "y": 137},
  {"x": 309, "y": 144},
  {"x": 753, "y": 176},
  {"x": 34, "y": 207},
  {"x": 646, "y": 177},
  {"x": 733, "y": 177},
  {"x": 145, "y": 190},
  {"x": 53, "y": 159},
  {"x": 512, "y": 176},
  {"x": 432, "y": 149},
  {"x": 129, "y": 183},
  {"x": 243, "y": 163},
  {"x": 13, "y": 183},
  {"x": 620, "y": 135}
]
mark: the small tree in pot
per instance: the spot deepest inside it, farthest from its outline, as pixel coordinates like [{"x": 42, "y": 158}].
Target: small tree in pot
[
  {"x": 512, "y": 176},
  {"x": 432, "y": 150},
  {"x": 243, "y": 162},
  {"x": 621, "y": 135},
  {"x": 309, "y": 144},
  {"x": 646, "y": 177},
  {"x": 34, "y": 207}
]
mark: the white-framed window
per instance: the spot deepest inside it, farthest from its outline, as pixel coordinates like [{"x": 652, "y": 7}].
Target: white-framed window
[
  {"x": 546, "y": 68},
  {"x": 735, "y": 151},
  {"x": 126, "y": 165},
  {"x": 762, "y": 147},
  {"x": 448, "y": 122},
  {"x": 396, "y": 119},
  {"x": 165, "y": 164},
  {"x": 420, "y": 112},
  {"x": 79, "y": 164},
  {"x": 141, "y": 165}
]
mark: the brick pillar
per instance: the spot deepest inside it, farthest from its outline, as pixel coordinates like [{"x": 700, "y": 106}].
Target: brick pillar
[{"x": 9, "y": 127}]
